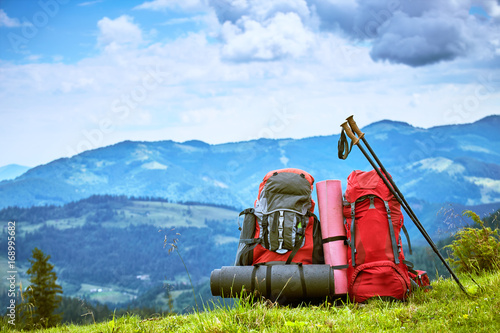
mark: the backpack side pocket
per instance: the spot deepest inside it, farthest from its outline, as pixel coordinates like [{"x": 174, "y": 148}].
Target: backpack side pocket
[{"x": 244, "y": 254}]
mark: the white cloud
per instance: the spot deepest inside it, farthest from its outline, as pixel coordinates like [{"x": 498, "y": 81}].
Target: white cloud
[
  {"x": 122, "y": 31},
  {"x": 477, "y": 149},
  {"x": 34, "y": 57},
  {"x": 183, "y": 20},
  {"x": 169, "y": 4},
  {"x": 490, "y": 189},
  {"x": 258, "y": 10},
  {"x": 154, "y": 166},
  {"x": 215, "y": 182},
  {"x": 89, "y": 3},
  {"x": 281, "y": 36},
  {"x": 201, "y": 116},
  {"x": 492, "y": 7},
  {"x": 262, "y": 10},
  {"x": 6, "y": 21},
  {"x": 439, "y": 165}
]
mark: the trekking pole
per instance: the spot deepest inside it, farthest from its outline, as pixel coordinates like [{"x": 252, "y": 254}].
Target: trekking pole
[
  {"x": 395, "y": 191},
  {"x": 361, "y": 136}
]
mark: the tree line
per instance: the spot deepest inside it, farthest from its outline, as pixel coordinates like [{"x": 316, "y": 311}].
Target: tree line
[{"x": 40, "y": 214}]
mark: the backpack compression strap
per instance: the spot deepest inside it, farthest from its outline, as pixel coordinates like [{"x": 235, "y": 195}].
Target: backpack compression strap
[
  {"x": 269, "y": 266},
  {"x": 334, "y": 239}
]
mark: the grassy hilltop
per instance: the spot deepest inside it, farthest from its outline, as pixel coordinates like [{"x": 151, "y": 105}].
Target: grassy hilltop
[{"x": 444, "y": 309}]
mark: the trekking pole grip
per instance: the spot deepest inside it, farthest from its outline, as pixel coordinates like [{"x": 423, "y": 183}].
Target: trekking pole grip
[
  {"x": 355, "y": 127},
  {"x": 349, "y": 133}
]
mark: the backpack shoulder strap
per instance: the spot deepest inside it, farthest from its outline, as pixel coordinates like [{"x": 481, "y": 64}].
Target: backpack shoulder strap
[
  {"x": 295, "y": 248},
  {"x": 391, "y": 232}
]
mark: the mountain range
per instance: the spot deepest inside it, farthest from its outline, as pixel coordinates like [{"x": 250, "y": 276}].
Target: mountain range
[
  {"x": 111, "y": 217},
  {"x": 11, "y": 171},
  {"x": 434, "y": 167}
]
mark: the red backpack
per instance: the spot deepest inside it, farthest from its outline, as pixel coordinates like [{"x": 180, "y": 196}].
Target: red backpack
[
  {"x": 373, "y": 221},
  {"x": 281, "y": 227}
]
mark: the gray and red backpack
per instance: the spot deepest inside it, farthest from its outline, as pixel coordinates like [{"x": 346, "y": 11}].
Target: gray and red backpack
[{"x": 281, "y": 227}]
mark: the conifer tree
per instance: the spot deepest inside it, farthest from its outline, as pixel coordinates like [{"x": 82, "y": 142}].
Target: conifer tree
[{"x": 43, "y": 293}]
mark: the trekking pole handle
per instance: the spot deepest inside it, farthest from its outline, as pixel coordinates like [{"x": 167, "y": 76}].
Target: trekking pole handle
[
  {"x": 349, "y": 133},
  {"x": 355, "y": 127}
]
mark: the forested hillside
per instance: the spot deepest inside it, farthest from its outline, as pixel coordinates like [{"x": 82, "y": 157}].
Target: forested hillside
[{"x": 113, "y": 249}]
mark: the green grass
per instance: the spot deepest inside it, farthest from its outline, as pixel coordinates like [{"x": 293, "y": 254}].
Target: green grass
[
  {"x": 171, "y": 214},
  {"x": 445, "y": 309},
  {"x": 108, "y": 294}
]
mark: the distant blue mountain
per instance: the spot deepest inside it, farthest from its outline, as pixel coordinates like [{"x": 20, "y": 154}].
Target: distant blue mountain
[
  {"x": 446, "y": 164},
  {"x": 11, "y": 171}
]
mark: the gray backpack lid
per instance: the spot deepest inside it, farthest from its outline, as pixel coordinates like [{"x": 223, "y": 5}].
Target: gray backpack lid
[{"x": 285, "y": 191}]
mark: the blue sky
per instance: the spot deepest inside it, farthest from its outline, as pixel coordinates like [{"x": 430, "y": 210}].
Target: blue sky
[{"x": 78, "y": 75}]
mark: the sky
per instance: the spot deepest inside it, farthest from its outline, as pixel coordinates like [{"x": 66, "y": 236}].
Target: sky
[{"x": 78, "y": 75}]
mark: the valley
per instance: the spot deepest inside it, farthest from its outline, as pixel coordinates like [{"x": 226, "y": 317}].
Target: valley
[{"x": 125, "y": 224}]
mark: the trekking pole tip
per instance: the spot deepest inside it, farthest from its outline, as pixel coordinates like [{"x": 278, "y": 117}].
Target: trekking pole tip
[
  {"x": 349, "y": 133},
  {"x": 354, "y": 126}
]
